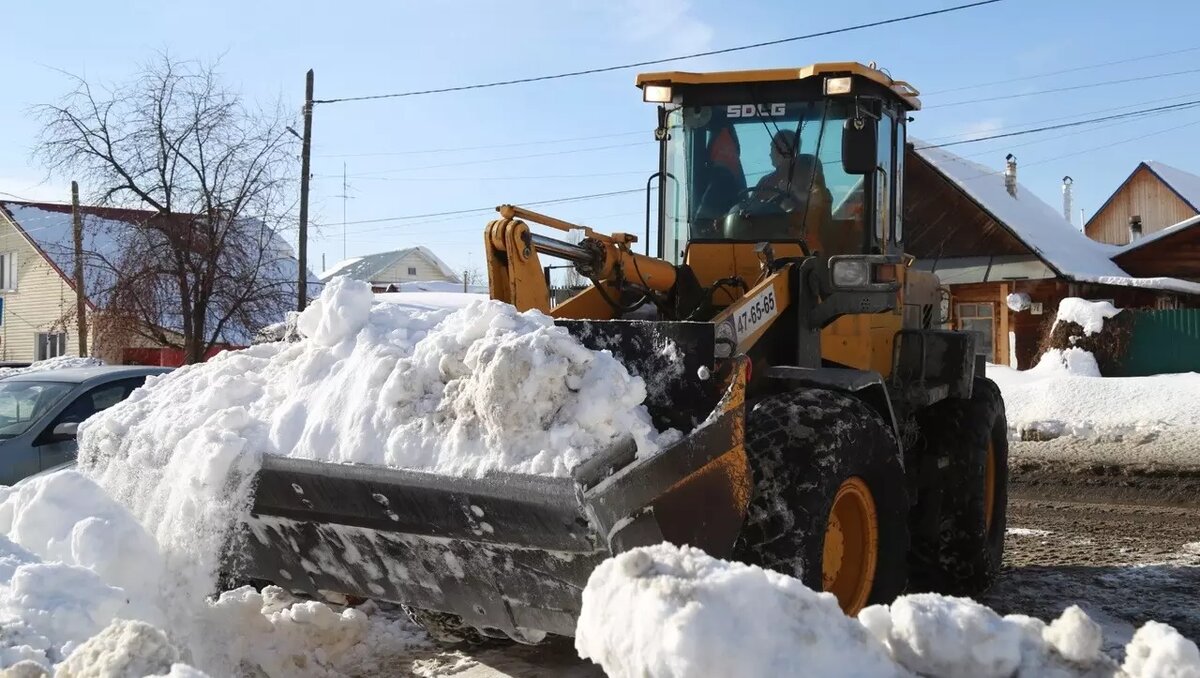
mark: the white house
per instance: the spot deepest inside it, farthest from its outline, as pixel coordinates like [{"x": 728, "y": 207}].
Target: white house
[
  {"x": 37, "y": 289},
  {"x": 392, "y": 269}
]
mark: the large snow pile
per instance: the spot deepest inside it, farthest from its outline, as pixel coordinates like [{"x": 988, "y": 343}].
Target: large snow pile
[
  {"x": 167, "y": 472},
  {"x": 85, "y": 589},
  {"x": 60, "y": 363},
  {"x": 670, "y": 612}
]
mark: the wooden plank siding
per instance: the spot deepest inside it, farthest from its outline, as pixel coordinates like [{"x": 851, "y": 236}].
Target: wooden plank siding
[
  {"x": 1145, "y": 195},
  {"x": 1176, "y": 255}
]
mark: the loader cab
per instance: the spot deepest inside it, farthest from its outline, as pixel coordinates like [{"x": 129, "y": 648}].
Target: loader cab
[{"x": 809, "y": 159}]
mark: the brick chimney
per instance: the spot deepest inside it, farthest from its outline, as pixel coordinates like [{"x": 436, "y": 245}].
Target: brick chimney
[{"x": 1010, "y": 174}]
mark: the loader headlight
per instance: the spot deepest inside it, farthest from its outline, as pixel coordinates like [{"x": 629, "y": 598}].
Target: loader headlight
[
  {"x": 656, "y": 94},
  {"x": 839, "y": 85},
  {"x": 850, "y": 273}
]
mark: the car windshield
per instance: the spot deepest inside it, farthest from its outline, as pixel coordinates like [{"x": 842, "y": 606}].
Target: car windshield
[
  {"x": 778, "y": 166},
  {"x": 24, "y": 402}
]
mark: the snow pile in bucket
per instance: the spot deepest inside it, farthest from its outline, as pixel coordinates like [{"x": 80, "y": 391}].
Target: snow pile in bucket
[
  {"x": 669, "y": 612},
  {"x": 484, "y": 388},
  {"x": 81, "y": 592}
]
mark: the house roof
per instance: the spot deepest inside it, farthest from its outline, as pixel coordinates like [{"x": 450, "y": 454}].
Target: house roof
[
  {"x": 1159, "y": 235},
  {"x": 1065, "y": 249},
  {"x": 49, "y": 228},
  {"x": 368, "y": 268},
  {"x": 1185, "y": 184}
]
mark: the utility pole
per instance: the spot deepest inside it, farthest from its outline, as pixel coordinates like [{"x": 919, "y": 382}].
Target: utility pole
[
  {"x": 80, "y": 299},
  {"x": 305, "y": 171}
]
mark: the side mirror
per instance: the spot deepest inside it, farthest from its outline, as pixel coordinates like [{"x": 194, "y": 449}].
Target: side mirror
[
  {"x": 860, "y": 139},
  {"x": 67, "y": 430}
]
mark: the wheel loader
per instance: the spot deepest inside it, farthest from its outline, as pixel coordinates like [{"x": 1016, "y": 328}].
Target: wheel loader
[{"x": 831, "y": 429}]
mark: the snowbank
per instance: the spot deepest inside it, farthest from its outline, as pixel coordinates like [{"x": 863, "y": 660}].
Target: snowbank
[
  {"x": 1063, "y": 395},
  {"x": 669, "y": 612},
  {"x": 83, "y": 590},
  {"x": 60, "y": 363}
]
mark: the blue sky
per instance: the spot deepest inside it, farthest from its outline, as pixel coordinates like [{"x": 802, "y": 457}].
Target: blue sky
[{"x": 360, "y": 48}]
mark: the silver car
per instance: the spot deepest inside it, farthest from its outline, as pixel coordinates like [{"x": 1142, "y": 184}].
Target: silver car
[{"x": 40, "y": 413}]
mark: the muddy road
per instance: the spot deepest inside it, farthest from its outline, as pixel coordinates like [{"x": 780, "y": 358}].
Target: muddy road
[{"x": 1123, "y": 543}]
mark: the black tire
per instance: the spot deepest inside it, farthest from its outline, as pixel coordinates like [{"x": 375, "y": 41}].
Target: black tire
[
  {"x": 962, "y": 555},
  {"x": 803, "y": 445}
]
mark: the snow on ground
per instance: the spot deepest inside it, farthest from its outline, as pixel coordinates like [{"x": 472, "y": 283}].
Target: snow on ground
[
  {"x": 430, "y": 301},
  {"x": 1063, "y": 395},
  {"x": 668, "y": 612},
  {"x": 166, "y": 473},
  {"x": 60, "y": 363}
]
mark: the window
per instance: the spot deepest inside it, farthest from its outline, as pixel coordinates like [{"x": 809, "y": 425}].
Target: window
[
  {"x": 412, "y": 270},
  {"x": 97, "y": 400},
  {"x": 50, "y": 345},
  {"x": 980, "y": 320},
  {"x": 8, "y": 271},
  {"x": 24, "y": 402}
]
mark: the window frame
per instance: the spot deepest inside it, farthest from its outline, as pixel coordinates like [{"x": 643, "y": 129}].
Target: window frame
[
  {"x": 978, "y": 309},
  {"x": 8, "y": 271},
  {"x": 40, "y": 345},
  {"x": 412, "y": 270}
]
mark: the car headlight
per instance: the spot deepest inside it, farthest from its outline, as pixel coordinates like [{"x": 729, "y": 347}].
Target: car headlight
[{"x": 851, "y": 273}]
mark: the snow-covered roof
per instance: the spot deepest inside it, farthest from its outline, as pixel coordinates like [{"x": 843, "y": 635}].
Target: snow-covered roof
[
  {"x": 1158, "y": 235},
  {"x": 1185, "y": 184},
  {"x": 1042, "y": 228},
  {"x": 49, "y": 228},
  {"x": 368, "y": 268}
]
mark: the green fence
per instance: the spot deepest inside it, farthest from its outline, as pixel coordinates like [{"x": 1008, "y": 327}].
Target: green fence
[{"x": 1163, "y": 342}]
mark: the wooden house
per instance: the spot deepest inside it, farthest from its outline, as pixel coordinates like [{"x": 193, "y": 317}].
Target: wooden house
[
  {"x": 1153, "y": 197},
  {"x": 1008, "y": 258}
]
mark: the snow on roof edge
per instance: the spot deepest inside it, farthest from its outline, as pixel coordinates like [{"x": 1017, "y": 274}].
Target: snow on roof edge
[
  {"x": 1170, "y": 230},
  {"x": 1031, "y": 220}
]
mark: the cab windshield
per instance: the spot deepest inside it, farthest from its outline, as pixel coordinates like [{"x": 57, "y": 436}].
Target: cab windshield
[{"x": 752, "y": 172}]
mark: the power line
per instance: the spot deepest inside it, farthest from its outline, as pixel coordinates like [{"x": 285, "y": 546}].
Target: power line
[
  {"x": 1063, "y": 71},
  {"x": 643, "y": 172},
  {"x": 457, "y": 149},
  {"x": 1132, "y": 114},
  {"x": 639, "y": 64},
  {"x": 500, "y": 159},
  {"x": 1043, "y": 121},
  {"x": 1071, "y": 88},
  {"x": 590, "y": 196}
]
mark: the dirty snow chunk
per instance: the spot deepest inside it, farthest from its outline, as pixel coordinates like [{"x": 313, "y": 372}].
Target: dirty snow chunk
[
  {"x": 1090, "y": 315},
  {"x": 1027, "y": 532},
  {"x": 124, "y": 649},
  {"x": 948, "y": 637},
  {"x": 1018, "y": 301},
  {"x": 668, "y": 612},
  {"x": 1159, "y": 651},
  {"x": 1076, "y": 637}
]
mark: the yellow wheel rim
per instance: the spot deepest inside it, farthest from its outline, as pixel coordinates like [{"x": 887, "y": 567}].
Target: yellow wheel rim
[
  {"x": 989, "y": 485},
  {"x": 851, "y": 546}
]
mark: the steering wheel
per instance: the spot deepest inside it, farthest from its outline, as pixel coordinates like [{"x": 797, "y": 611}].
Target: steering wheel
[{"x": 786, "y": 201}]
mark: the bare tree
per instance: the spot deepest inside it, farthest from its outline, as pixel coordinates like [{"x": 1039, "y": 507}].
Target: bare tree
[
  {"x": 474, "y": 276},
  {"x": 206, "y": 266}
]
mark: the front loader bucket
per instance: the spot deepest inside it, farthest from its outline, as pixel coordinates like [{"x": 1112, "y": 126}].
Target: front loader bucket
[{"x": 511, "y": 553}]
